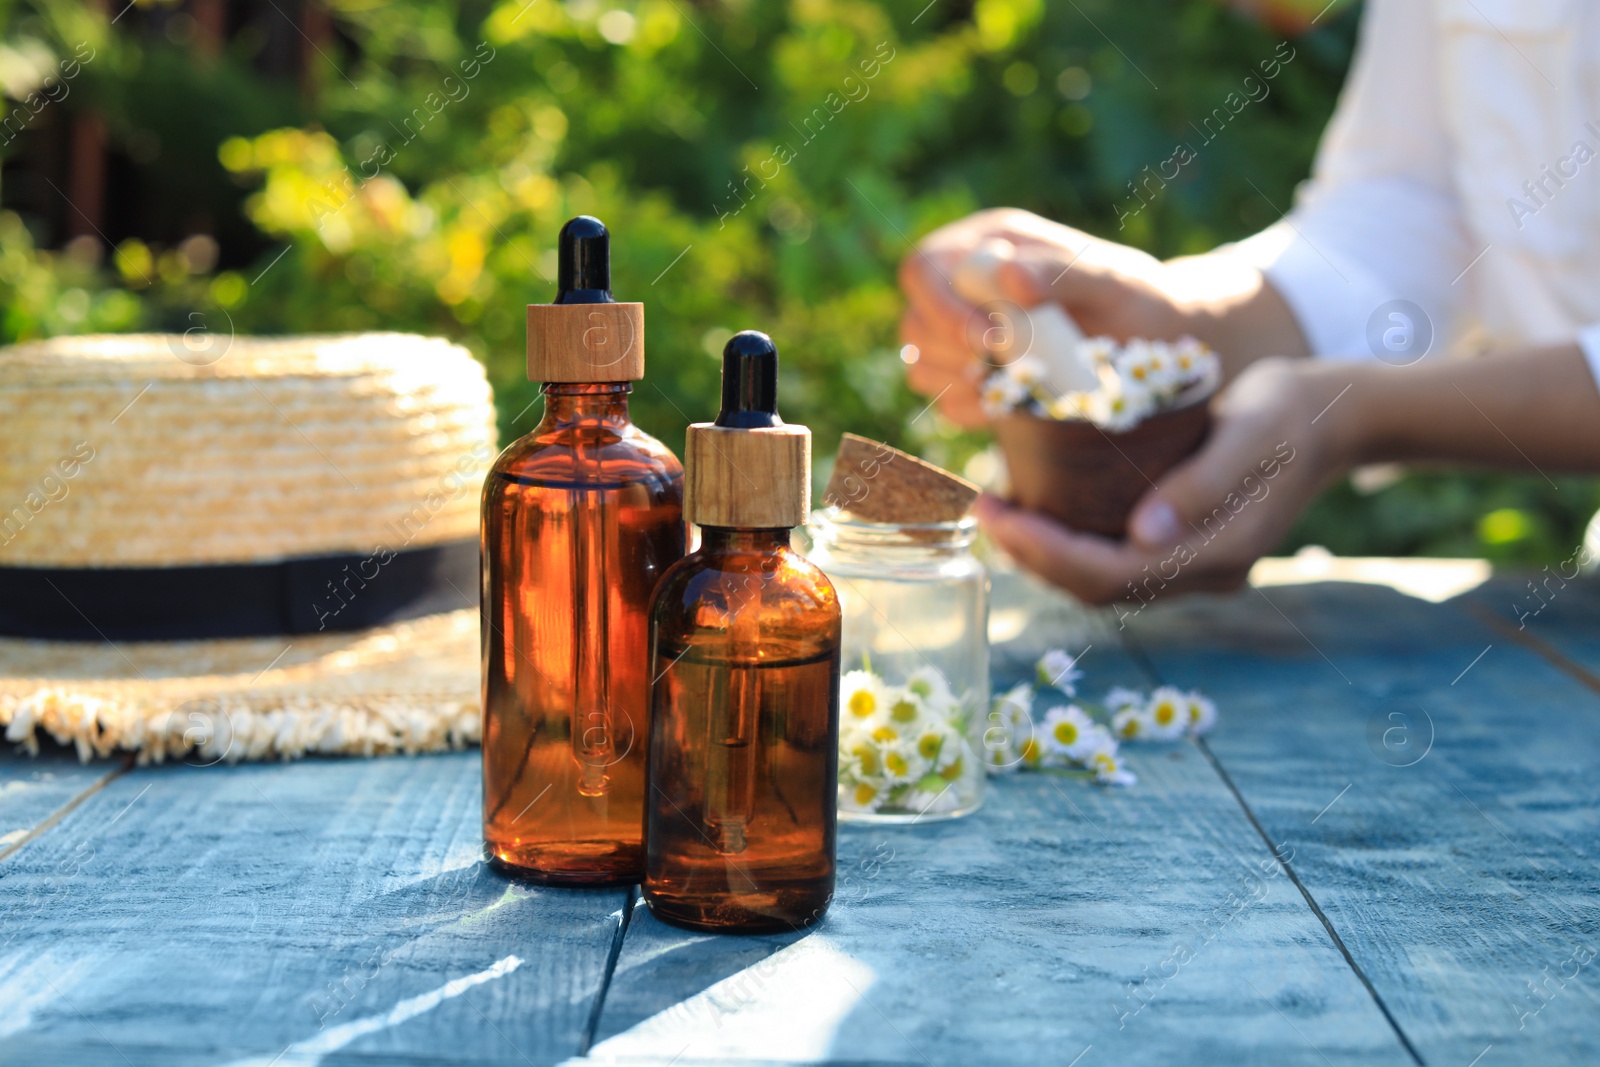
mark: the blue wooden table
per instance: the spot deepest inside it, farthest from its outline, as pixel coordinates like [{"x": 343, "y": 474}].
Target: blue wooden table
[{"x": 1388, "y": 852}]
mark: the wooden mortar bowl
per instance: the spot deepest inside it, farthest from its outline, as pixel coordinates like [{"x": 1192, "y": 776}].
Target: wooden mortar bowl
[{"x": 1091, "y": 478}]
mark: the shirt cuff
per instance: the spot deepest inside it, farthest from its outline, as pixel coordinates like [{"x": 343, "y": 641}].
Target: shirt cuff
[
  {"x": 1589, "y": 342},
  {"x": 1332, "y": 296}
]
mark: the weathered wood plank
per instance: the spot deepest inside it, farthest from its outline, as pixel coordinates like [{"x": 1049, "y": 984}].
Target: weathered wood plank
[
  {"x": 1439, "y": 786},
  {"x": 317, "y": 912},
  {"x": 35, "y": 790},
  {"x": 1149, "y": 923},
  {"x": 1556, "y": 618}
]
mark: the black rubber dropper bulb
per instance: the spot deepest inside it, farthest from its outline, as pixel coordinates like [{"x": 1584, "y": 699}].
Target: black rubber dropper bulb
[
  {"x": 749, "y": 382},
  {"x": 583, "y": 265}
]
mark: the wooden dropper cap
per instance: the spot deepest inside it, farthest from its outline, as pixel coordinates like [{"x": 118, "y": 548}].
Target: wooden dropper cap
[
  {"x": 748, "y": 470},
  {"x": 585, "y": 336}
]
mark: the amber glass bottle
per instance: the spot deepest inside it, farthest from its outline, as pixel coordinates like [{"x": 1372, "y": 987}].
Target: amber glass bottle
[
  {"x": 740, "y": 816},
  {"x": 580, "y": 518}
]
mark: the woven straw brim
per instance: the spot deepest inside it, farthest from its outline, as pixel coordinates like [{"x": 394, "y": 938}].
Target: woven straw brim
[
  {"x": 283, "y": 447},
  {"x": 410, "y": 687}
]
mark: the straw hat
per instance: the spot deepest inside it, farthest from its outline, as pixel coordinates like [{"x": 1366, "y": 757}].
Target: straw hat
[{"x": 246, "y": 548}]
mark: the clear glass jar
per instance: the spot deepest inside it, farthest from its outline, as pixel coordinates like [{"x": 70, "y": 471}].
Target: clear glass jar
[{"x": 915, "y": 656}]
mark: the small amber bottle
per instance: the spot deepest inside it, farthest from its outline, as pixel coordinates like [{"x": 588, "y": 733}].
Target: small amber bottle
[
  {"x": 744, "y": 634},
  {"x": 580, "y": 519}
]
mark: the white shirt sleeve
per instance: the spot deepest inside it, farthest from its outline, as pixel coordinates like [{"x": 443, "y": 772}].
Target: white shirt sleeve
[
  {"x": 1380, "y": 219},
  {"x": 1589, "y": 342}
]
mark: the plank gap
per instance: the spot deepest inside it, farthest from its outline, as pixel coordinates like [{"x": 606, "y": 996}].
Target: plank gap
[
  {"x": 611, "y": 968},
  {"x": 1311, "y": 901},
  {"x": 1138, "y": 654},
  {"x": 1554, "y": 656},
  {"x": 66, "y": 809}
]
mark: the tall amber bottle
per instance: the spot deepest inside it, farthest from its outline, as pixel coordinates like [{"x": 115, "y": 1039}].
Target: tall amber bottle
[
  {"x": 580, "y": 518},
  {"x": 744, "y": 638}
]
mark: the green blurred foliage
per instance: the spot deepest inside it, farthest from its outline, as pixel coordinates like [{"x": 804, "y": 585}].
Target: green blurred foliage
[
  {"x": 761, "y": 164},
  {"x": 1507, "y": 518}
]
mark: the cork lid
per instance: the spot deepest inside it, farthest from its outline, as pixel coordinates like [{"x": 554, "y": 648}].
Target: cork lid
[
  {"x": 875, "y": 482},
  {"x": 748, "y": 470},
  {"x": 585, "y": 336}
]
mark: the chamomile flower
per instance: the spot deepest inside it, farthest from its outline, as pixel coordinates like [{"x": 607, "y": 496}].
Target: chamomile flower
[
  {"x": 1026, "y": 371},
  {"x": 1166, "y": 369},
  {"x": 861, "y": 696},
  {"x": 902, "y": 763},
  {"x": 1195, "y": 363},
  {"x": 1056, "y": 668},
  {"x": 1068, "y": 732},
  {"x": 1202, "y": 713},
  {"x": 1108, "y": 770},
  {"x": 1161, "y": 371},
  {"x": 859, "y": 755},
  {"x": 1120, "y": 698},
  {"x": 957, "y": 761},
  {"x": 1131, "y": 724},
  {"x": 1167, "y": 713},
  {"x": 1100, "y": 740},
  {"x": 1188, "y": 355},
  {"x": 862, "y": 796},
  {"x": 931, "y": 687},
  {"x": 1009, "y": 729},
  {"x": 1002, "y": 394},
  {"x": 1135, "y": 380},
  {"x": 938, "y": 744},
  {"x": 1016, "y": 702},
  {"x": 1138, "y": 361},
  {"x": 905, "y": 707},
  {"x": 1171, "y": 383},
  {"x": 1097, "y": 351},
  {"x": 1075, "y": 405},
  {"x": 1120, "y": 404}
]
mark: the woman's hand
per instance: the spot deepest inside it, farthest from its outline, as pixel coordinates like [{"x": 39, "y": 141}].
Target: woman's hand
[
  {"x": 1108, "y": 289},
  {"x": 1275, "y": 443}
]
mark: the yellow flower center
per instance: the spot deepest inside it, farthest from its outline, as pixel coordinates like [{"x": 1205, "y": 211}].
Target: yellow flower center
[
  {"x": 1130, "y": 728},
  {"x": 903, "y": 711},
  {"x": 1067, "y": 733},
  {"x": 952, "y": 772},
  {"x": 896, "y": 763},
  {"x": 865, "y": 793},
  {"x": 863, "y": 703},
  {"x": 1138, "y": 372},
  {"x": 1030, "y": 751},
  {"x": 928, "y": 745},
  {"x": 886, "y": 733},
  {"x": 1166, "y": 713},
  {"x": 868, "y": 757}
]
